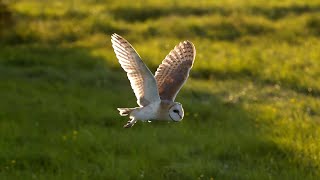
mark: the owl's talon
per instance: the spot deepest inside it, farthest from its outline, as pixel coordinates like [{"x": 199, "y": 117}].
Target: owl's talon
[{"x": 130, "y": 123}]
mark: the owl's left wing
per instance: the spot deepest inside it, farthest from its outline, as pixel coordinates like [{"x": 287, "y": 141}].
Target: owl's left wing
[
  {"x": 174, "y": 70},
  {"x": 142, "y": 81}
]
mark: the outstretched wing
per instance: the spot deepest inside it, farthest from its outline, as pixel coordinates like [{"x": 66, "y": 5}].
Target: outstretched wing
[
  {"x": 142, "y": 81},
  {"x": 174, "y": 70}
]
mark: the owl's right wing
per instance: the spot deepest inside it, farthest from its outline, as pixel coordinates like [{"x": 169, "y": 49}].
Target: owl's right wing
[
  {"x": 174, "y": 70},
  {"x": 142, "y": 81}
]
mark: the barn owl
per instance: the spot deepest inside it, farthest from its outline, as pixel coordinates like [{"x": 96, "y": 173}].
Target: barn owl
[{"x": 155, "y": 94}]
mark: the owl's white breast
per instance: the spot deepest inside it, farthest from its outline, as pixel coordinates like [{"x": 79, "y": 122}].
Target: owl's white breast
[{"x": 147, "y": 113}]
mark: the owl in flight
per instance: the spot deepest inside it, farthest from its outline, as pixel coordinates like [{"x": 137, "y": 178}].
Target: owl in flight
[{"x": 155, "y": 94}]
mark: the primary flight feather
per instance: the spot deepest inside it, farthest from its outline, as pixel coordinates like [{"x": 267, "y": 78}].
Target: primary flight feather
[{"x": 155, "y": 94}]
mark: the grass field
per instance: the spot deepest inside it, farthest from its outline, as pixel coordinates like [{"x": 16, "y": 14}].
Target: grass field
[{"x": 252, "y": 101}]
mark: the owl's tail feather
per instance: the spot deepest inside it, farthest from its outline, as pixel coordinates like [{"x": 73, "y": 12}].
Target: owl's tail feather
[{"x": 125, "y": 111}]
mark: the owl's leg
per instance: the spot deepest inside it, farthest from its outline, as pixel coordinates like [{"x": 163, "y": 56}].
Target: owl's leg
[{"x": 130, "y": 123}]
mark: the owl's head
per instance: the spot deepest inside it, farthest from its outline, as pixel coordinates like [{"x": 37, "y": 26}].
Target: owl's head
[{"x": 176, "y": 112}]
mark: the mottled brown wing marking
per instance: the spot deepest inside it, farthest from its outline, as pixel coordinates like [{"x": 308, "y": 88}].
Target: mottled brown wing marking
[
  {"x": 174, "y": 70},
  {"x": 142, "y": 81}
]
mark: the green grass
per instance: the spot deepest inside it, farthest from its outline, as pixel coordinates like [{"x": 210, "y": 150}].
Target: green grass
[{"x": 252, "y": 100}]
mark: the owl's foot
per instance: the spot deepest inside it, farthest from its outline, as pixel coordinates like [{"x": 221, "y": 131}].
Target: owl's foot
[{"x": 130, "y": 123}]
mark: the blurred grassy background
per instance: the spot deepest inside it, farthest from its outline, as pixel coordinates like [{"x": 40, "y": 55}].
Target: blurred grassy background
[{"x": 252, "y": 101}]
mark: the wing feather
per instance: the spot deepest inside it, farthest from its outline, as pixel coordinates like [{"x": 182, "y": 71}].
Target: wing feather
[
  {"x": 141, "y": 79},
  {"x": 174, "y": 70}
]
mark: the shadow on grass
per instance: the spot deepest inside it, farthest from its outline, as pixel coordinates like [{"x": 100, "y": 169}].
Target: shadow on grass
[
  {"x": 313, "y": 24},
  {"x": 68, "y": 15},
  {"x": 148, "y": 13},
  {"x": 145, "y": 13},
  {"x": 6, "y": 20},
  {"x": 226, "y": 31},
  {"x": 276, "y": 13}
]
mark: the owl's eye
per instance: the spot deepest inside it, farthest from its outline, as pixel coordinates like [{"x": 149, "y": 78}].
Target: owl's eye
[{"x": 175, "y": 111}]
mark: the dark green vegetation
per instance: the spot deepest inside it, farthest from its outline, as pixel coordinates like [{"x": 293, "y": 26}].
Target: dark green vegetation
[{"x": 252, "y": 102}]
